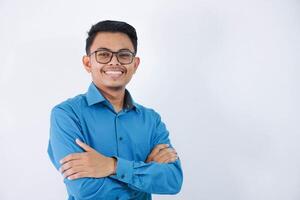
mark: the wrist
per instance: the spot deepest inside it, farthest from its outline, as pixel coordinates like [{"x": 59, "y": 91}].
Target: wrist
[{"x": 113, "y": 165}]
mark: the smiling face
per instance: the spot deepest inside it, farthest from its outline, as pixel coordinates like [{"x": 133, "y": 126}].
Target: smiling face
[{"x": 113, "y": 75}]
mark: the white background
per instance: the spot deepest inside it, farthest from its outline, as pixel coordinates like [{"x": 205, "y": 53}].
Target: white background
[{"x": 224, "y": 75}]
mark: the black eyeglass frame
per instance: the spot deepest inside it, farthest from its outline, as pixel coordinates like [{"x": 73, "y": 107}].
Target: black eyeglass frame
[{"x": 112, "y": 55}]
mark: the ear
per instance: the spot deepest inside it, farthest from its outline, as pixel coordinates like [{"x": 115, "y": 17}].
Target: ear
[
  {"x": 87, "y": 63},
  {"x": 136, "y": 63}
]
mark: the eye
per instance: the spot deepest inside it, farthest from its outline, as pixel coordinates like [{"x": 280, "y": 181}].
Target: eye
[
  {"x": 124, "y": 55},
  {"x": 103, "y": 54}
]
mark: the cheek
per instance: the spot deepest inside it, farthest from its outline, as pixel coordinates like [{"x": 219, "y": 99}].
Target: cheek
[
  {"x": 96, "y": 69},
  {"x": 96, "y": 73},
  {"x": 130, "y": 70}
]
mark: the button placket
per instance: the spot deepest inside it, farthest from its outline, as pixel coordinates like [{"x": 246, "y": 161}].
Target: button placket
[
  {"x": 119, "y": 137},
  {"x": 116, "y": 132}
]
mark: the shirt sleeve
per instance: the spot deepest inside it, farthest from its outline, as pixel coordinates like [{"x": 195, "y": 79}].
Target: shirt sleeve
[
  {"x": 64, "y": 129},
  {"x": 155, "y": 178}
]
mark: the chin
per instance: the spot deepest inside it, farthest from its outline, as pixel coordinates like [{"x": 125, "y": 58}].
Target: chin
[
  {"x": 115, "y": 84},
  {"x": 115, "y": 87}
]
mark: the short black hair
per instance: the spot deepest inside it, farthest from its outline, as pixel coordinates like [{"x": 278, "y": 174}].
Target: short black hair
[{"x": 114, "y": 27}]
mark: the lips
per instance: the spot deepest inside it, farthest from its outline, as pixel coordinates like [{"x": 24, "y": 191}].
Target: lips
[{"x": 114, "y": 72}]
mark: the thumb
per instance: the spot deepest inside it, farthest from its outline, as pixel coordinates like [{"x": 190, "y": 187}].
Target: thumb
[{"x": 84, "y": 146}]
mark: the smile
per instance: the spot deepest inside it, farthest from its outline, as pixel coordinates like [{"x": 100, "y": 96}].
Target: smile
[{"x": 113, "y": 72}]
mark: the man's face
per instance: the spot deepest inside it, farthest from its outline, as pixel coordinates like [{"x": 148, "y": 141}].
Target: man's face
[{"x": 113, "y": 75}]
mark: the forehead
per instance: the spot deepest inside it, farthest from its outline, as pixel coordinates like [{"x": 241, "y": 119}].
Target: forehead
[{"x": 112, "y": 41}]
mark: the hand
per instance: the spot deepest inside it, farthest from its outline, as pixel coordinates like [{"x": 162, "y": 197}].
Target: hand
[
  {"x": 87, "y": 164},
  {"x": 162, "y": 154}
]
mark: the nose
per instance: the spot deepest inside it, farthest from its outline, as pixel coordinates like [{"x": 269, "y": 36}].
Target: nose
[{"x": 114, "y": 60}]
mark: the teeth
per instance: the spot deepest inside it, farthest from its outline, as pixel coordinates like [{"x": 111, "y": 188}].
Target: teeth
[{"x": 113, "y": 72}]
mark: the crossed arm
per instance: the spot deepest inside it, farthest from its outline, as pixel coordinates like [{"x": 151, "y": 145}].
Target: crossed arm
[
  {"x": 95, "y": 165},
  {"x": 91, "y": 175}
]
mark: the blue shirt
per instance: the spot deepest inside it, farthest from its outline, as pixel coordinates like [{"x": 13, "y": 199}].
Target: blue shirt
[{"x": 129, "y": 136}]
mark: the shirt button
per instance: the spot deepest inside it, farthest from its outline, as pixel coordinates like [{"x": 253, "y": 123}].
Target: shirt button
[
  {"x": 120, "y": 138},
  {"x": 117, "y": 198},
  {"x": 123, "y": 176}
]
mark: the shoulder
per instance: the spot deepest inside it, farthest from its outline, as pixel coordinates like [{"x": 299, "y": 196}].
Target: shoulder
[
  {"x": 72, "y": 105},
  {"x": 147, "y": 112}
]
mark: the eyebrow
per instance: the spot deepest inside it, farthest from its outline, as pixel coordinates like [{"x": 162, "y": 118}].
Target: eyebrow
[{"x": 103, "y": 48}]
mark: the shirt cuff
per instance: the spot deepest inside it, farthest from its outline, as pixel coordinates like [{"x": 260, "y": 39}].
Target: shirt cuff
[{"x": 124, "y": 170}]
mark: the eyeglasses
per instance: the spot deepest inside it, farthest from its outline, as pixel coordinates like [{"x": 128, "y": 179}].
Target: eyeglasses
[{"x": 104, "y": 56}]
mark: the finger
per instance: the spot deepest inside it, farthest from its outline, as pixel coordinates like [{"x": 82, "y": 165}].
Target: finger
[
  {"x": 167, "y": 158},
  {"x": 78, "y": 175},
  {"x": 73, "y": 156},
  {"x": 69, "y": 165},
  {"x": 73, "y": 170},
  {"x": 165, "y": 153},
  {"x": 84, "y": 146},
  {"x": 156, "y": 149},
  {"x": 170, "y": 160}
]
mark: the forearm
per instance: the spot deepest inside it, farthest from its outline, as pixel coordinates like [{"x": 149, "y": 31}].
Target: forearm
[
  {"x": 89, "y": 188},
  {"x": 96, "y": 188},
  {"x": 151, "y": 177}
]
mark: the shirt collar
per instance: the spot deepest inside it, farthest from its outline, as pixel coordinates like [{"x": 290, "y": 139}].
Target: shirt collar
[{"x": 94, "y": 96}]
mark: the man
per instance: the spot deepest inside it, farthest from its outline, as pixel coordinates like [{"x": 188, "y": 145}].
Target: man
[{"x": 106, "y": 145}]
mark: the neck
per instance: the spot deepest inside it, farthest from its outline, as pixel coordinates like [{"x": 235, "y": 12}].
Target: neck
[{"x": 115, "y": 96}]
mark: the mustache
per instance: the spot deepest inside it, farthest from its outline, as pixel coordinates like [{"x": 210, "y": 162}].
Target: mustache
[{"x": 114, "y": 68}]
